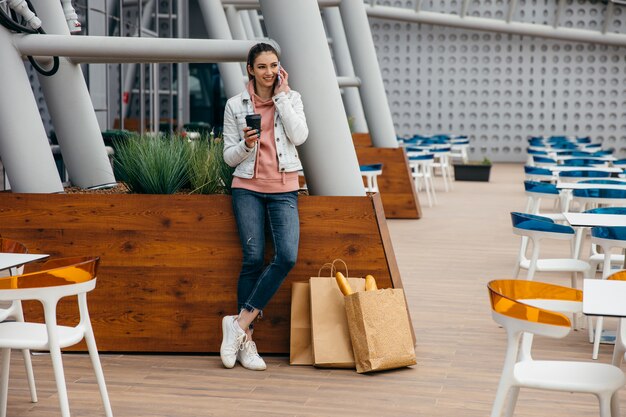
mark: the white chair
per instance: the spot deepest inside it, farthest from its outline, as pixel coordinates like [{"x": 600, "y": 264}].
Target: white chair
[
  {"x": 422, "y": 173},
  {"x": 526, "y": 309},
  {"x": 12, "y": 310},
  {"x": 538, "y": 191},
  {"x": 458, "y": 150},
  {"x": 606, "y": 238},
  {"x": 596, "y": 258},
  {"x": 620, "y": 340},
  {"x": 536, "y": 151},
  {"x": 588, "y": 198},
  {"x": 535, "y": 228},
  {"x": 538, "y": 174},
  {"x": 576, "y": 175},
  {"x": 370, "y": 173},
  {"x": 59, "y": 278},
  {"x": 442, "y": 162},
  {"x": 542, "y": 161}
]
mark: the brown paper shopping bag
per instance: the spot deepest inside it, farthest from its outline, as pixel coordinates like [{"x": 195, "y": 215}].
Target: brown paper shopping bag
[
  {"x": 300, "y": 350},
  {"x": 380, "y": 330},
  {"x": 329, "y": 328}
]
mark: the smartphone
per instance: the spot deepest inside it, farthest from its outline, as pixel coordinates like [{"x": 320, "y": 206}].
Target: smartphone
[{"x": 278, "y": 77}]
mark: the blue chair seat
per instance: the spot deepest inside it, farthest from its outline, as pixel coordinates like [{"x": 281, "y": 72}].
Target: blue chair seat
[
  {"x": 584, "y": 174},
  {"x": 558, "y": 138},
  {"x": 422, "y": 157},
  {"x": 536, "y": 171},
  {"x": 539, "y": 223},
  {"x": 599, "y": 193},
  {"x": 616, "y": 182},
  {"x": 565, "y": 145},
  {"x": 607, "y": 210},
  {"x": 581, "y": 162},
  {"x": 540, "y": 187},
  {"x": 371, "y": 167},
  {"x": 543, "y": 160}
]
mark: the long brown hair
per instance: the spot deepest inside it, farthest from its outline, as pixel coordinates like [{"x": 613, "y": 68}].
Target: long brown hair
[{"x": 257, "y": 50}]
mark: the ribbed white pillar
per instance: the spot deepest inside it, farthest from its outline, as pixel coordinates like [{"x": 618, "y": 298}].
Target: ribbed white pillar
[
  {"x": 330, "y": 163},
  {"x": 343, "y": 61},
  {"x": 72, "y": 111},
  {"x": 131, "y": 70},
  {"x": 24, "y": 147},
  {"x": 366, "y": 67},
  {"x": 256, "y": 24},
  {"x": 217, "y": 27},
  {"x": 236, "y": 29}
]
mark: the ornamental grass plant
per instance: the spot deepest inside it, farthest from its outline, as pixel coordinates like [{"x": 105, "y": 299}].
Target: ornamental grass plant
[
  {"x": 172, "y": 164},
  {"x": 208, "y": 173},
  {"x": 153, "y": 164}
]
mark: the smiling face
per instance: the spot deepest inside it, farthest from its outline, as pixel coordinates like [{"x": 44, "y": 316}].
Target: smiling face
[{"x": 264, "y": 69}]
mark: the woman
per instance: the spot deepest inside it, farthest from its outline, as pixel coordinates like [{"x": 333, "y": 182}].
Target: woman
[{"x": 265, "y": 191}]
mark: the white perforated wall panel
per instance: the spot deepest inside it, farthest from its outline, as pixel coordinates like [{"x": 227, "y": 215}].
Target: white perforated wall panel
[{"x": 500, "y": 88}]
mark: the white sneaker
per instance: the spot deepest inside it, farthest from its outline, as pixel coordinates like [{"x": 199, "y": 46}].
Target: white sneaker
[
  {"x": 233, "y": 337},
  {"x": 249, "y": 357}
]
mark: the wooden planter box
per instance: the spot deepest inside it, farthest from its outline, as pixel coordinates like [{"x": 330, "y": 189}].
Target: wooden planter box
[
  {"x": 396, "y": 182},
  {"x": 471, "y": 172},
  {"x": 169, "y": 264}
]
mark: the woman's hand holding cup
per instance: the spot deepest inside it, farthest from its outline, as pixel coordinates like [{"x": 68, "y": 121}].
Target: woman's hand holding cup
[
  {"x": 252, "y": 132},
  {"x": 251, "y": 136}
]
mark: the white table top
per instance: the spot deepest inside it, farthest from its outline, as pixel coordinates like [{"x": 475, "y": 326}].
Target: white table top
[
  {"x": 593, "y": 219},
  {"x": 585, "y": 186},
  {"x": 561, "y": 168},
  {"x": 592, "y": 157},
  {"x": 11, "y": 260},
  {"x": 414, "y": 153},
  {"x": 604, "y": 297}
]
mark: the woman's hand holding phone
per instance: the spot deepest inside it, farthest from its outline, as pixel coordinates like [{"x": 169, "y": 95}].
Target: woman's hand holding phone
[{"x": 282, "y": 83}]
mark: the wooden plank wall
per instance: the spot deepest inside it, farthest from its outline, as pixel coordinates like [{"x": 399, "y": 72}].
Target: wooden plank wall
[
  {"x": 361, "y": 139},
  {"x": 169, "y": 264},
  {"x": 396, "y": 187}
]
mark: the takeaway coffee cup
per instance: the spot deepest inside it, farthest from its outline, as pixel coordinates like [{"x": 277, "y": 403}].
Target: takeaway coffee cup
[{"x": 254, "y": 121}]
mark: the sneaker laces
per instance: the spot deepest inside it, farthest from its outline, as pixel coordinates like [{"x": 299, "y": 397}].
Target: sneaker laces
[
  {"x": 251, "y": 348},
  {"x": 241, "y": 341}
]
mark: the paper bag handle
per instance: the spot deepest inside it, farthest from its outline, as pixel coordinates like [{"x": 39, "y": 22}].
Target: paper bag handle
[
  {"x": 344, "y": 264},
  {"x": 327, "y": 265}
]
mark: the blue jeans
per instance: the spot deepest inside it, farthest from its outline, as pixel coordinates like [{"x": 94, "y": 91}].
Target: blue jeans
[{"x": 257, "y": 282}]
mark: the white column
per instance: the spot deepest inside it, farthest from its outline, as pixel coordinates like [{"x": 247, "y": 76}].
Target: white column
[
  {"x": 98, "y": 73},
  {"x": 237, "y": 30},
  {"x": 366, "y": 66},
  {"x": 235, "y": 23},
  {"x": 131, "y": 69},
  {"x": 24, "y": 146},
  {"x": 256, "y": 24},
  {"x": 72, "y": 111},
  {"x": 330, "y": 163},
  {"x": 247, "y": 24},
  {"x": 343, "y": 61},
  {"x": 182, "y": 31},
  {"x": 217, "y": 28}
]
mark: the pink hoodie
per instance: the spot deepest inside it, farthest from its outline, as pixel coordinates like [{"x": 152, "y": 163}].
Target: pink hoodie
[{"x": 267, "y": 178}]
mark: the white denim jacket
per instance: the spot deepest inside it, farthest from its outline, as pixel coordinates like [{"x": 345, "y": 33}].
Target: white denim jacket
[{"x": 290, "y": 130}]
